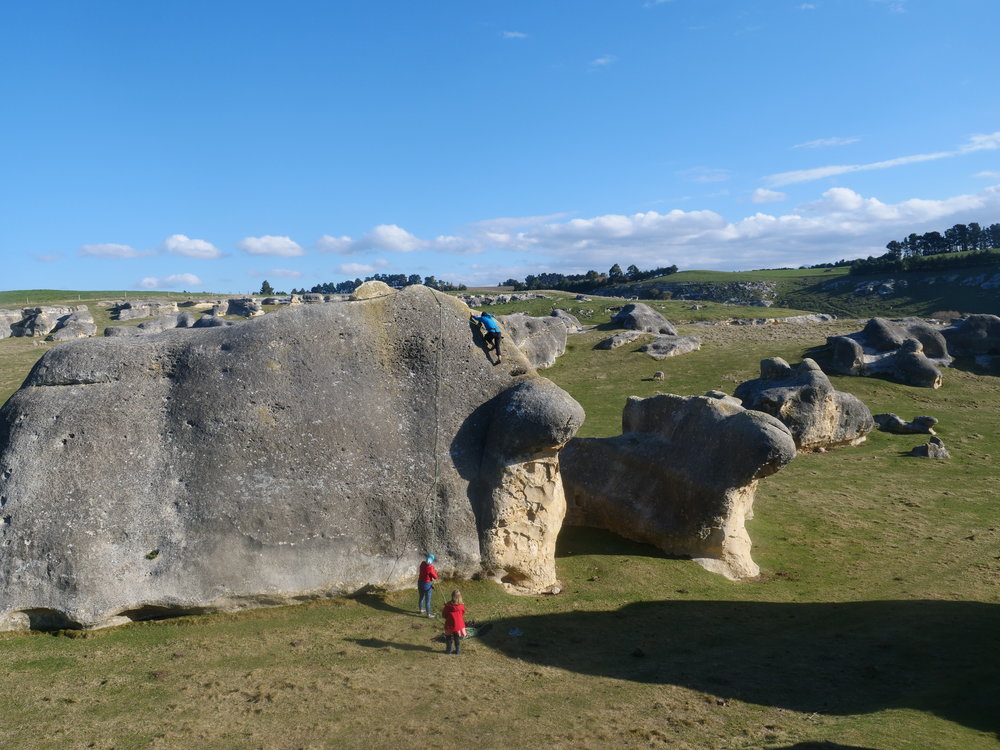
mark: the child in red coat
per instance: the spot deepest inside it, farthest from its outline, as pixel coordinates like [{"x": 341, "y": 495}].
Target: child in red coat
[{"x": 454, "y": 622}]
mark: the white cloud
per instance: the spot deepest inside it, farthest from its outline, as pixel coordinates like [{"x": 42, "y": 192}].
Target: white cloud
[
  {"x": 603, "y": 61},
  {"x": 283, "y": 247},
  {"x": 827, "y": 142},
  {"x": 513, "y": 35},
  {"x": 987, "y": 142},
  {"x": 763, "y": 195},
  {"x": 174, "y": 281},
  {"x": 654, "y": 3},
  {"x": 808, "y": 6},
  {"x": 988, "y": 174},
  {"x": 112, "y": 250},
  {"x": 180, "y": 244}
]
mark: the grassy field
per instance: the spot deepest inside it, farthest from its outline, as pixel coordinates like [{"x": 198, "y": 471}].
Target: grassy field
[{"x": 873, "y": 625}]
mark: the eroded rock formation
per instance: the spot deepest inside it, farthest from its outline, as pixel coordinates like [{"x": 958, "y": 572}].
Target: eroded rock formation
[
  {"x": 664, "y": 346},
  {"x": 636, "y": 316},
  {"x": 909, "y": 350},
  {"x": 305, "y": 453},
  {"x": 899, "y": 426},
  {"x": 818, "y": 416},
  {"x": 682, "y": 476}
]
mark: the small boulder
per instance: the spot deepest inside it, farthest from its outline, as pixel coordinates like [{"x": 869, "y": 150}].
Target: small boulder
[
  {"x": 933, "y": 449},
  {"x": 670, "y": 346},
  {"x": 619, "y": 339},
  {"x": 898, "y": 426}
]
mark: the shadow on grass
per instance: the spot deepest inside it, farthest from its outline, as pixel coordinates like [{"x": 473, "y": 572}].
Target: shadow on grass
[
  {"x": 832, "y": 658},
  {"x": 376, "y": 600},
  {"x": 379, "y": 643}
]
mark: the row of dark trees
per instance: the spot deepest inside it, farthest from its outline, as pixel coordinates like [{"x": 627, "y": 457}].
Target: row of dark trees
[
  {"x": 929, "y": 251},
  {"x": 395, "y": 280},
  {"x": 587, "y": 282}
]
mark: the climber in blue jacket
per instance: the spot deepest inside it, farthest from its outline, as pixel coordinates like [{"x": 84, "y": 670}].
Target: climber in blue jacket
[{"x": 493, "y": 333}]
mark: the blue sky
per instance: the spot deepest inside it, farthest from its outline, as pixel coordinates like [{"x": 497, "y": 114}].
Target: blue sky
[{"x": 212, "y": 145}]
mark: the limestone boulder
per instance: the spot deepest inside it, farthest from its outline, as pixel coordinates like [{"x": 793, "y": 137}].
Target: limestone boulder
[
  {"x": 681, "y": 476},
  {"x": 541, "y": 339},
  {"x": 976, "y": 336},
  {"x": 245, "y": 307},
  {"x": 77, "y": 325},
  {"x": 934, "y": 448},
  {"x": 306, "y": 453},
  {"x": 37, "y": 322},
  {"x": 908, "y": 350},
  {"x": 569, "y": 320},
  {"x": 619, "y": 339},
  {"x": 137, "y": 309},
  {"x": 8, "y": 319},
  {"x": 804, "y": 400},
  {"x": 897, "y": 425},
  {"x": 637, "y": 316},
  {"x": 664, "y": 346}
]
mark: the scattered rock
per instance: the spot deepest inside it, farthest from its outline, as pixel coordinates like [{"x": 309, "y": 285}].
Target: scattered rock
[
  {"x": 659, "y": 375},
  {"x": 143, "y": 309},
  {"x": 933, "y": 449},
  {"x": 818, "y": 416},
  {"x": 619, "y": 339},
  {"x": 897, "y": 425}
]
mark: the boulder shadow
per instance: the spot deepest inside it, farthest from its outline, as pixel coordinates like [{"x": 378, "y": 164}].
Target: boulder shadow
[
  {"x": 376, "y": 600},
  {"x": 841, "y": 658},
  {"x": 379, "y": 643}
]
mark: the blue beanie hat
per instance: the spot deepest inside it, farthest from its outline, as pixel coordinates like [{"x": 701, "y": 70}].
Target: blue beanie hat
[{"x": 430, "y": 558}]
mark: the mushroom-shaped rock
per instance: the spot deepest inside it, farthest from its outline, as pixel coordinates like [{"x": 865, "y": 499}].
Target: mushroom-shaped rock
[
  {"x": 907, "y": 350},
  {"x": 309, "y": 452},
  {"x": 805, "y": 401},
  {"x": 541, "y": 339},
  {"x": 636, "y": 316},
  {"x": 682, "y": 476}
]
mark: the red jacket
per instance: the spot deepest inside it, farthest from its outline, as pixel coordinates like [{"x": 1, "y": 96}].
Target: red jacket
[
  {"x": 427, "y": 573},
  {"x": 454, "y": 617}
]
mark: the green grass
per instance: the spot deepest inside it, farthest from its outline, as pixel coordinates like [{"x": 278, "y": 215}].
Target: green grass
[{"x": 873, "y": 625}]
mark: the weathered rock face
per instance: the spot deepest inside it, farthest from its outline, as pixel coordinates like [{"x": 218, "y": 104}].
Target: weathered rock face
[
  {"x": 541, "y": 339},
  {"x": 908, "y": 350},
  {"x": 671, "y": 346},
  {"x": 817, "y": 415},
  {"x": 305, "y": 453},
  {"x": 184, "y": 319},
  {"x": 682, "y": 475},
  {"x": 636, "y": 316},
  {"x": 247, "y": 307},
  {"x": 974, "y": 336},
  {"x": 77, "y": 325}
]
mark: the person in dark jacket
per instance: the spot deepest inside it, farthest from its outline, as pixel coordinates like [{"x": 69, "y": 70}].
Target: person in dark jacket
[
  {"x": 493, "y": 333},
  {"x": 425, "y": 585}
]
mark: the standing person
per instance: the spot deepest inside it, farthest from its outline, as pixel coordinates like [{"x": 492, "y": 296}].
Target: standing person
[
  {"x": 454, "y": 622},
  {"x": 425, "y": 585},
  {"x": 493, "y": 333}
]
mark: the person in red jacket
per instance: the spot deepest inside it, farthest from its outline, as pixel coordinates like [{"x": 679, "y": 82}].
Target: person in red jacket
[
  {"x": 454, "y": 622},
  {"x": 425, "y": 585}
]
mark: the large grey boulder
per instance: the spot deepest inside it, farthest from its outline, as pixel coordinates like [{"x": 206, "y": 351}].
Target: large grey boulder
[
  {"x": 818, "y": 416},
  {"x": 569, "y": 320},
  {"x": 908, "y": 350},
  {"x": 77, "y": 325},
  {"x": 541, "y": 339},
  {"x": 306, "y": 453},
  {"x": 41, "y": 321},
  {"x": 664, "y": 346},
  {"x": 636, "y": 316},
  {"x": 8, "y": 319},
  {"x": 246, "y": 307},
  {"x": 185, "y": 319},
  {"x": 976, "y": 336},
  {"x": 682, "y": 476},
  {"x": 137, "y": 309}
]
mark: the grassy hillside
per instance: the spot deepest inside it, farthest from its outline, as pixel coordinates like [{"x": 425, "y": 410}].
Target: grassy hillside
[{"x": 873, "y": 625}]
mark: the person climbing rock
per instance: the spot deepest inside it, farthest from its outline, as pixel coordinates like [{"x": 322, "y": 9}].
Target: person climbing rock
[
  {"x": 425, "y": 585},
  {"x": 493, "y": 333}
]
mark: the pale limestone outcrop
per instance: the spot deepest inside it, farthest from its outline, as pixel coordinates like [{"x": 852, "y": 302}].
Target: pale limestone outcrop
[
  {"x": 682, "y": 476},
  {"x": 908, "y": 350}
]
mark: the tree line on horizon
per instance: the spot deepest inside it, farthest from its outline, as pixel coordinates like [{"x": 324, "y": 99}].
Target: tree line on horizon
[
  {"x": 587, "y": 282},
  {"x": 394, "y": 280}
]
